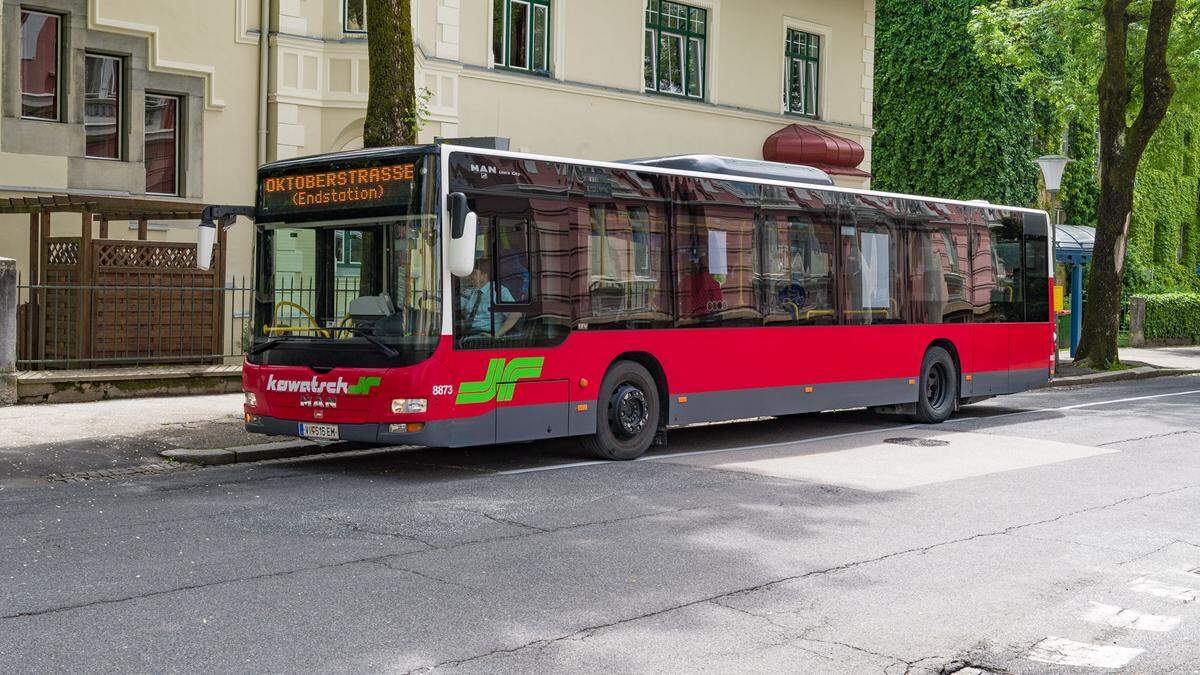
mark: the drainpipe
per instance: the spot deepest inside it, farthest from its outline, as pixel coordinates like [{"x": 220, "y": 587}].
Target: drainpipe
[{"x": 264, "y": 58}]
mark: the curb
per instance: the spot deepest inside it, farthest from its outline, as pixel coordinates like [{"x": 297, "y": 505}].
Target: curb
[
  {"x": 1143, "y": 373},
  {"x": 244, "y": 453}
]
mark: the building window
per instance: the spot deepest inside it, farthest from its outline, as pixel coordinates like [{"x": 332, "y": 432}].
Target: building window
[
  {"x": 675, "y": 48},
  {"x": 102, "y": 106},
  {"x": 162, "y": 144},
  {"x": 803, "y": 73},
  {"x": 521, "y": 34},
  {"x": 354, "y": 16},
  {"x": 40, "y": 48}
]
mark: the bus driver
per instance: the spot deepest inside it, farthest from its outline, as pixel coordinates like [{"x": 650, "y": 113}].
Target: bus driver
[{"x": 477, "y": 295}]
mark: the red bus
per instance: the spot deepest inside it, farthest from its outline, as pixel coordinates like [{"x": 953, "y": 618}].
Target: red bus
[{"x": 450, "y": 296}]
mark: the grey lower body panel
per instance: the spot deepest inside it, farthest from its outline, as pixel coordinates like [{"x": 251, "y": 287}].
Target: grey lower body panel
[
  {"x": 748, "y": 403},
  {"x": 506, "y": 425}
]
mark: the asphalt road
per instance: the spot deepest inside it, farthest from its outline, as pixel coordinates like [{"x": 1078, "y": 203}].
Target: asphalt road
[{"x": 1033, "y": 532}]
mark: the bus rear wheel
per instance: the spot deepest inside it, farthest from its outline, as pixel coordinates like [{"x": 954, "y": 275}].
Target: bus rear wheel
[
  {"x": 938, "y": 387},
  {"x": 628, "y": 414}
]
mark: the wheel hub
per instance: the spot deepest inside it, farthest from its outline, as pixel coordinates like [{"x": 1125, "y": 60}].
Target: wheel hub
[
  {"x": 935, "y": 386},
  {"x": 628, "y": 411}
]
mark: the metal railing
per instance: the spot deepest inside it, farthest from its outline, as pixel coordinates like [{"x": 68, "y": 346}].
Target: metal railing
[{"x": 65, "y": 325}]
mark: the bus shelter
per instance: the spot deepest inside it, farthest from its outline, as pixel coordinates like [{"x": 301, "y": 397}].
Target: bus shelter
[{"x": 1073, "y": 248}]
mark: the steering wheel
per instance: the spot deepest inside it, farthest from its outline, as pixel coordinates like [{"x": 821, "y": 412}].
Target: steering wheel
[{"x": 276, "y": 330}]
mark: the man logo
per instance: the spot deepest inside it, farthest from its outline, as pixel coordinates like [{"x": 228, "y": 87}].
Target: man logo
[{"x": 501, "y": 380}]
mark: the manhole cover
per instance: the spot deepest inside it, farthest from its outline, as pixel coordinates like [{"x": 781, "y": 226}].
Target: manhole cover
[{"x": 917, "y": 442}]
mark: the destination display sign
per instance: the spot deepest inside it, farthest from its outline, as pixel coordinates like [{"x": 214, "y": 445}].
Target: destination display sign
[{"x": 312, "y": 194}]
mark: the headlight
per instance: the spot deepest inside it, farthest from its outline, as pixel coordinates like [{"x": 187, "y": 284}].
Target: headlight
[
  {"x": 251, "y": 399},
  {"x": 402, "y": 406}
]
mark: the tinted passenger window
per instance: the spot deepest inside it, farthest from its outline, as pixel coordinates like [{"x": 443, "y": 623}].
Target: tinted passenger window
[
  {"x": 797, "y": 279},
  {"x": 1037, "y": 268},
  {"x": 619, "y": 226},
  {"x": 870, "y": 259},
  {"x": 937, "y": 262},
  {"x": 997, "y": 266},
  {"x": 715, "y": 253}
]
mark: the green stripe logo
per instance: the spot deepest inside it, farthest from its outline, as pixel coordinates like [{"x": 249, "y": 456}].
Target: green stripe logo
[
  {"x": 500, "y": 383},
  {"x": 364, "y": 386}
]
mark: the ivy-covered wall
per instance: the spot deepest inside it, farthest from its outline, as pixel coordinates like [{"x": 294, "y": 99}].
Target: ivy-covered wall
[
  {"x": 947, "y": 125},
  {"x": 1164, "y": 232}
]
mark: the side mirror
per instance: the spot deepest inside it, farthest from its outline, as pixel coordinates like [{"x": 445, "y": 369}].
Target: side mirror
[
  {"x": 462, "y": 249},
  {"x": 206, "y": 238},
  {"x": 463, "y": 228}
]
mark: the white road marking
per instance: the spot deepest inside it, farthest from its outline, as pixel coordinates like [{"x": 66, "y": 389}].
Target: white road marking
[
  {"x": 1111, "y": 615},
  {"x": 817, "y": 439},
  {"x": 1063, "y": 652},
  {"x": 1162, "y": 590}
]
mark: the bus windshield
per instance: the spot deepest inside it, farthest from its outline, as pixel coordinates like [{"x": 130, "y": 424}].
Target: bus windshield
[{"x": 369, "y": 286}]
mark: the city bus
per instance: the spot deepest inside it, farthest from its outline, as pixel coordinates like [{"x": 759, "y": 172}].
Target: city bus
[{"x": 451, "y": 296}]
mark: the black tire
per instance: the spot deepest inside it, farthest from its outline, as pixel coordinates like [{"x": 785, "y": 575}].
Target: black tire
[
  {"x": 627, "y": 414},
  {"x": 938, "y": 387}
]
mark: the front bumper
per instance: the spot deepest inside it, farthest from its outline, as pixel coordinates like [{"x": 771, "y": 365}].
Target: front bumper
[{"x": 435, "y": 434}]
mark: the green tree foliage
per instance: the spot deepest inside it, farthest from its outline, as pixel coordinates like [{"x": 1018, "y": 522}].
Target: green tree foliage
[
  {"x": 1080, "y": 185},
  {"x": 1164, "y": 236},
  {"x": 948, "y": 124}
]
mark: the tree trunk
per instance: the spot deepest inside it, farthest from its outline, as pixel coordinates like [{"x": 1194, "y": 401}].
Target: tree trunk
[
  {"x": 392, "y": 114},
  {"x": 1121, "y": 148},
  {"x": 1102, "y": 320}
]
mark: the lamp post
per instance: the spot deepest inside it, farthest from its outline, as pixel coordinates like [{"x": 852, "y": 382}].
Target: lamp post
[{"x": 1052, "y": 167}]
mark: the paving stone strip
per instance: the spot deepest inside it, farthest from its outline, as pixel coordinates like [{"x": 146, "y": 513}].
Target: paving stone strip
[{"x": 151, "y": 469}]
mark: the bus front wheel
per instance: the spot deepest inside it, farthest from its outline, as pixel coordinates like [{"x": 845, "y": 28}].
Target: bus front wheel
[
  {"x": 938, "y": 387},
  {"x": 628, "y": 414}
]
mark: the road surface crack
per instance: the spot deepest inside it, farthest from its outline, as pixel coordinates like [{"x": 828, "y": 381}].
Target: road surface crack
[
  {"x": 1147, "y": 438},
  {"x": 398, "y": 568},
  {"x": 190, "y": 587}
]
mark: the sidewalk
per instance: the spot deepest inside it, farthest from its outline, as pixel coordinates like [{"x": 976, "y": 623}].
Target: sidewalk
[
  {"x": 1145, "y": 362},
  {"x": 65, "y": 438}
]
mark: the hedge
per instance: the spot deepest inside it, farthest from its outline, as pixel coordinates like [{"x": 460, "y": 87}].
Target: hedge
[{"x": 1172, "y": 316}]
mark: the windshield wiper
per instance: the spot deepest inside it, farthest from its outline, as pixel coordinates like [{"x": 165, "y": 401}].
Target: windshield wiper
[
  {"x": 268, "y": 345},
  {"x": 383, "y": 347}
]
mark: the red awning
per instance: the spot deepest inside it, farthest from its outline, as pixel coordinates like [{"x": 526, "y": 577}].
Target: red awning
[{"x": 810, "y": 146}]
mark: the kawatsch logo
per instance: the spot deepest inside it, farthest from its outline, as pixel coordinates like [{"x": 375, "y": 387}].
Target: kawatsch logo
[{"x": 315, "y": 386}]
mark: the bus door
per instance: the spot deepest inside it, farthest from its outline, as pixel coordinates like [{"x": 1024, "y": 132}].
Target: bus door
[{"x": 502, "y": 316}]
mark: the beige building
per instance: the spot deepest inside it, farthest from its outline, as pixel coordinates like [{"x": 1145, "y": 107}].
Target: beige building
[{"x": 161, "y": 100}]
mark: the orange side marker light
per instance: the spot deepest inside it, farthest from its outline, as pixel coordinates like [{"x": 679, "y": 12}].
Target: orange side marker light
[
  {"x": 582, "y": 407},
  {"x": 682, "y": 399},
  {"x": 808, "y": 390}
]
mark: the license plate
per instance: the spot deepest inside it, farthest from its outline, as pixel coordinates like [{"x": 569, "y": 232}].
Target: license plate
[{"x": 320, "y": 432}]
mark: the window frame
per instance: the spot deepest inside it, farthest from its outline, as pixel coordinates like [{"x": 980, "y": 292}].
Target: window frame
[
  {"x": 346, "y": 18},
  {"x": 58, "y": 66},
  {"x": 506, "y": 37},
  {"x": 179, "y": 141},
  {"x": 121, "y": 106},
  {"x": 791, "y": 56},
  {"x": 655, "y": 28}
]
